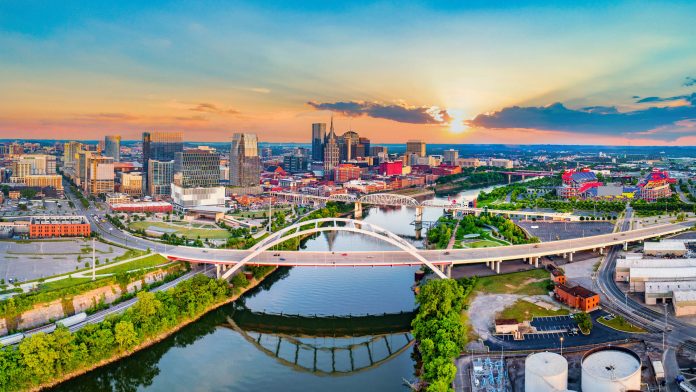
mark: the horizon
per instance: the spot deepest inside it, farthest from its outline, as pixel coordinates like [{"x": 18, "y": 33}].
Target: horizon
[{"x": 475, "y": 73}]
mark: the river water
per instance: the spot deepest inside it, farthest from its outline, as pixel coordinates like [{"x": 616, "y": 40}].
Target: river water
[{"x": 302, "y": 329}]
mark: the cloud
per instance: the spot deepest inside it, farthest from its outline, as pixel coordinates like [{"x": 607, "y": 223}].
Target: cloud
[
  {"x": 108, "y": 117},
  {"x": 395, "y": 112},
  {"x": 689, "y": 82},
  {"x": 594, "y": 120},
  {"x": 260, "y": 90},
  {"x": 689, "y": 98},
  {"x": 212, "y": 108}
]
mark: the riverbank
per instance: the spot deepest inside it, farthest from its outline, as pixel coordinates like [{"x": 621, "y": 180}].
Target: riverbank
[
  {"x": 154, "y": 339},
  {"x": 414, "y": 192}
]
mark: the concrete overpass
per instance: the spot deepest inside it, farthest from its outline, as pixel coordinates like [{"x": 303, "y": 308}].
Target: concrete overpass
[{"x": 440, "y": 261}]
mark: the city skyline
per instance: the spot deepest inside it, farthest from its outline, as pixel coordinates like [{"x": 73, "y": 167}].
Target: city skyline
[{"x": 480, "y": 73}]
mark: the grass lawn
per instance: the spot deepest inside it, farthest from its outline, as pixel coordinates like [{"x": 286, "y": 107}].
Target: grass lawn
[
  {"x": 619, "y": 323},
  {"x": 145, "y": 262},
  {"x": 213, "y": 234},
  {"x": 523, "y": 310},
  {"x": 62, "y": 283},
  {"x": 530, "y": 282},
  {"x": 483, "y": 244}
]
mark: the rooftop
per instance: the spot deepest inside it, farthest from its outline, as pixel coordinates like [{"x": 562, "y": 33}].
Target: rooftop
[
  {"x": 674, "y": 245},
  {"x": 58, "y": 220}
]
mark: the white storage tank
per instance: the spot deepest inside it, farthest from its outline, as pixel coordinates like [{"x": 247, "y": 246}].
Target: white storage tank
[
  {"x": 610, "y": 369},
  {"x": 545, "y": 372}
]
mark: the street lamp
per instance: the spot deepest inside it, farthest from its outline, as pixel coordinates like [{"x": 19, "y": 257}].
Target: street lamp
[{"x": 561, "y": 345}]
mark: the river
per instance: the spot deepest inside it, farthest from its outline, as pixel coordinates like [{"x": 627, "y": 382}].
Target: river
[{"x": 303, "y": 329}]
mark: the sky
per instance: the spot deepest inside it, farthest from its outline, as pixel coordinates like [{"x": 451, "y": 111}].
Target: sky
[{"x": 513, "y": 72}]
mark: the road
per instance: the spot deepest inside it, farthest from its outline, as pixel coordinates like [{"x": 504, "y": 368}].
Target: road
[
  {"x": 675, "y": 331},
  {"x": 373, "y": 258}
]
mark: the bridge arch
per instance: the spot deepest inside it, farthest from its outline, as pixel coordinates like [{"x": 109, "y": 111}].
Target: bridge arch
[
  {"x": 342, "y": 197},
  {"x": 389, "y": 199},
  {"x": 317, "y": 226}
]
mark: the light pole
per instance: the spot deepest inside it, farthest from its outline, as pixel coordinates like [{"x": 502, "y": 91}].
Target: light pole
[
  {"x": 665, "y": 328},
  {"x": 561, "y": 345}
]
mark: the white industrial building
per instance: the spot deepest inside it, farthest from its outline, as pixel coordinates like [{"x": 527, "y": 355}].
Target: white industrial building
[
  {"x": 623, "y": 266},
  {"x": 672, "y": 248},
  {"x": 661, "y": 291}
]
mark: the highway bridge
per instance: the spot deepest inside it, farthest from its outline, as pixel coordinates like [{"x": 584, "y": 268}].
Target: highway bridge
[{"x": 440, "y": 261}]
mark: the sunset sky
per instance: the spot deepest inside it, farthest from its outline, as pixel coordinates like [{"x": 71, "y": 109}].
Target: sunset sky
[{"x": 480, "y": 72}]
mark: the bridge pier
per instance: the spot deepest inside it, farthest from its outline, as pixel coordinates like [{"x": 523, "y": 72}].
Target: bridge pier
[
  {"x": 509, "y": 178},
  {"x": 419, "y": 215},
  {"x": 497, "y": 266},
  {"x": 601, "y": 251},
  {"x": 358, "y": 212},
  {"x": 570, "y": 256},
  {"x": 536, "y": 262},
  {"x": 217, "y": 271},
  {"x": 625, "y": 246}
]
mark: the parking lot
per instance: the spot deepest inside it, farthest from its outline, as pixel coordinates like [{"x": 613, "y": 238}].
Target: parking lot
[
  {"x": 549, "y": 338},
  {"x": 554, "y": 231},
  {"x": 10, "y": 208},
  {"x": 28, "y": 260}
]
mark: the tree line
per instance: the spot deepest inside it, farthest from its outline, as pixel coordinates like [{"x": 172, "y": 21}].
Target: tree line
[
  {"x": 439, "y": 331},
  {"x": 44, "y": 358}
]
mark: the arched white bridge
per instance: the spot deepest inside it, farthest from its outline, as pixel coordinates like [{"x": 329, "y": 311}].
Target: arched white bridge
[{"x": 302, "y": 229}]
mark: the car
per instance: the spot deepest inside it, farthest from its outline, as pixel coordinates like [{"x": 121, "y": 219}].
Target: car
[
  {"x": 536, "y": 245},
  {"x": 282, "y": 259},
  {"x": 344, "y": 254},
  {"x": 370, "y": 257},
  {"x": 446, "y": 253},
  {"x": 276, "y": 254}
]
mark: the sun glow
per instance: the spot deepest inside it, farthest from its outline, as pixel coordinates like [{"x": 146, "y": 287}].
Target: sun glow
[{"x": 456, "y": 124}]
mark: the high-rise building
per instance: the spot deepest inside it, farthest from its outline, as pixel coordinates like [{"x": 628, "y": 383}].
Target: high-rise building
[
  {"x": 132, "y": 183},
  {"x": 451, "y": 156},
  {"x": 331, "y": 152},
  {"x": 295, "y": 164},
  {"x": 245, "y": 164},
  {"x": 318, "y": 136},
  {"x": 28, "y": 164},
  {"x": 197, "y": 168},
  {"x": 347, "y": 144},
  {"x": 82, "y": 167},
  {"x": 197, "y": 180},
  {"x": 100, "y": 175},
  {"x": 362, "y": 150},
  {"x": 415, "y": 147},
  {"x": 160, "y": 175},
  {"x": 112, "y": 147},
  {"x": 160, "y": 146},
  {"x": 376, "y": 150},
  {"x": 70, "y": 150}
]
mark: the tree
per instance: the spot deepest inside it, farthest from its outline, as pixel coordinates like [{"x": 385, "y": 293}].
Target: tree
[
  {"x": 125, "y": 335},
  {"x": 584, "y": 322},
  {"x": 39, "y": 355}
]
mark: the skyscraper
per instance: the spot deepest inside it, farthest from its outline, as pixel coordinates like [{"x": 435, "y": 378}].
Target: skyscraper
[
  {"x": 160, "y": 146},
  {"x": 331, "y": 152},
  {"x": 197, "y": 180},
  {"x": 318, "y": 136},
  {"x": 112, "y": 147},
  {"x": 451, "y": 156},
  {"x": 160, "y": 175},
  {"x": 197, "y": 168},
  {"x": 415, "y": 147},
  {"x": 245, "y": 164},
  {"x": 347, "y": 144}
]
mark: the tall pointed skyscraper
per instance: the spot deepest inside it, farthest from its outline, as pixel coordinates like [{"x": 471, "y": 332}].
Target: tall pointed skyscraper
[{"x": 331, "y": 152}]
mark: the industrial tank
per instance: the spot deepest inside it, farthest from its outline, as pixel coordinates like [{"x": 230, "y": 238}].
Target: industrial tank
[
  {"x": 610, "y": 369},
  {"x": 545, "y": 372}
]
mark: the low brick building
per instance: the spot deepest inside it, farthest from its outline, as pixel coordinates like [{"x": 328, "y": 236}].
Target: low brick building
[
  {"x": 577, "y": 297},
  {"x": 59, "y": 226}
]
